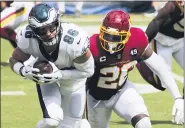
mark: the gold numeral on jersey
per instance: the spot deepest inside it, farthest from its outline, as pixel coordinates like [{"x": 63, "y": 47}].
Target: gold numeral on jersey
[{"x": 112, "y": 77}]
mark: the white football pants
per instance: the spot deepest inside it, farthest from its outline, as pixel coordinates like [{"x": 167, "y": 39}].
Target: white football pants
[
  {"x": 127, "y": 103},
  {"x": 61, "y": 107},
  {"x": 176, "y": 50}
]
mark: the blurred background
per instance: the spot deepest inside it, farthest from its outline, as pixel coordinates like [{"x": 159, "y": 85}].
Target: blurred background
[{"x": 89, "y": 8}]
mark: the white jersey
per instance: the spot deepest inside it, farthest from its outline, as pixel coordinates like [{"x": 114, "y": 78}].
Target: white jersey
[
  {"x": 16, "y": 14},
  {"x": 74, "y": 43}
]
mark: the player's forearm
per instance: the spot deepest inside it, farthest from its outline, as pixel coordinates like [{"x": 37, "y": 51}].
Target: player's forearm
[
  {"x": 15, "y": 65},
  {"x": 154, "y": 26},
  {"x": 159, "y": 67},
  {"x": 75, "y": 74},
  {"x": 17, "y": 59},
  {"x": 83, "y": 70},
  {"x": 152, "y": 30}
]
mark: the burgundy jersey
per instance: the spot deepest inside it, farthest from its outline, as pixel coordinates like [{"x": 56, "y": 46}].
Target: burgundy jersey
[{"x": 106, "y": 80}]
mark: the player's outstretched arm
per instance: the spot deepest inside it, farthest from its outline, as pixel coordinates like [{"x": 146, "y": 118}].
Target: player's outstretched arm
[{"x": 159, "y": 67}]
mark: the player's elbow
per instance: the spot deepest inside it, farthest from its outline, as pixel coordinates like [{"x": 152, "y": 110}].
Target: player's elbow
[
  {"x": 90, "y": 71},
  {"x": 91, "y": 67},
  {"x": 87, "y": 67},
  {"x": 156, "y": 64}
]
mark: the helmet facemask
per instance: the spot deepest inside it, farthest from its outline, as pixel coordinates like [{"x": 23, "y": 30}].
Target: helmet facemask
[
  {"x": 48, "y": 34},
  {"x": 112, "y": 40},
  {"x": 115, "y": 31}
]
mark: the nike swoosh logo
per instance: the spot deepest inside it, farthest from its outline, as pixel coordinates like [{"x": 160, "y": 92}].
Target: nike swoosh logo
[{"x": 79, "y": 41}]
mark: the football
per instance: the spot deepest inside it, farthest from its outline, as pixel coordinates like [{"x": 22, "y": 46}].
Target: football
[
  {"x": 43, "y": 66},
  {"x": 149, "y": 76}
]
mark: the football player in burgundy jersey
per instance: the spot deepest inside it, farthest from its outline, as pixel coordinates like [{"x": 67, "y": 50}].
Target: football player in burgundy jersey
[{"x": 116, "y": 49}]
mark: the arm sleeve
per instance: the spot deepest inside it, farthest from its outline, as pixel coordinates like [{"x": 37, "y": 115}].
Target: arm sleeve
[
  {"x": 157, "y": 22},
  {"x": 158, "y": 66}
]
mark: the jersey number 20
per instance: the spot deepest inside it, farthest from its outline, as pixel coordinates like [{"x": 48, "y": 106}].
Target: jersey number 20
[{"x": 112, "y": 77}]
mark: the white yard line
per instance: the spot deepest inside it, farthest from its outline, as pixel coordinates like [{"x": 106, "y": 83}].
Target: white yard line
[
  {"x": 179, "y": 78},
  {"x": 13, "y": 93}
]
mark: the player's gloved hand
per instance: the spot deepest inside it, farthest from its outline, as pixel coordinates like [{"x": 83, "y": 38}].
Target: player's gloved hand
[
  {"x": 53, "y": 77},
  {"x": 29, "y": 72},
  {"x": 178, "y": 111}
]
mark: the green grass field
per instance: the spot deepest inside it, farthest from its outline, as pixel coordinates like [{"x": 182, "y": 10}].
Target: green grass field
[{"x": 24, "y": 111}]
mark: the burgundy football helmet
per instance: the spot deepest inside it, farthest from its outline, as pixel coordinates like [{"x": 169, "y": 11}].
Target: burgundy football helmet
[{"x": 115, "y": 31}]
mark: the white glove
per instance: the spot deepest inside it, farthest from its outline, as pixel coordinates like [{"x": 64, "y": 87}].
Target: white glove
[
  {"x": 55, "y": 76},
  {"x": 178, "y": 111},
  {"x": 29, "y": 72}
]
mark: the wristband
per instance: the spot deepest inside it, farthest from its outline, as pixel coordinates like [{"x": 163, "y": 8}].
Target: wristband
[
  {"x": 178, "y": 98},
  {"x": 17, "y": 68}
]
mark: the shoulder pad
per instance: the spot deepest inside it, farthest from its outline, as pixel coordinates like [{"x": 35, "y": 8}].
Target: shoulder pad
[
  {"x": 76, "y": 38},
  {"x": 23, "y": 37}
]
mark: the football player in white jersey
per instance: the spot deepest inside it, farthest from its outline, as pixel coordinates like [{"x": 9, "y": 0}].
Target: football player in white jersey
[{"x": 62, "y": 93}]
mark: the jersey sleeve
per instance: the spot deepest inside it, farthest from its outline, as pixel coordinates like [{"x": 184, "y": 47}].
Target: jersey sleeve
[
  {"x": 22, "y": 38},
  {"x": 143, "y": 41},
  {"x": 81, "y": 44},
  {"x": 93, "y": 45},
  {"x": 83, "y": 47}
]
